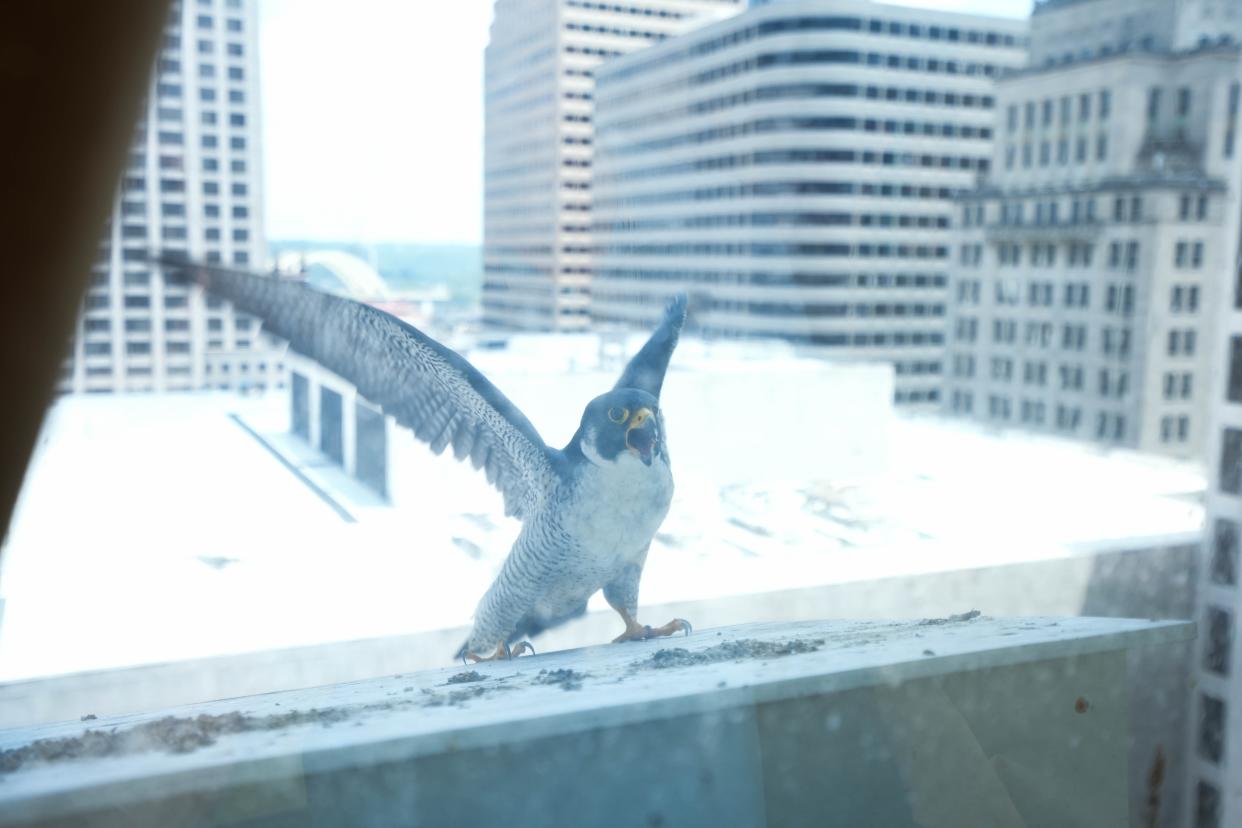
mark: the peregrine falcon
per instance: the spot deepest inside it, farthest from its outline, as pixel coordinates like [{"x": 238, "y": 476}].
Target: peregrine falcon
[{"x": 588, "y": 510}]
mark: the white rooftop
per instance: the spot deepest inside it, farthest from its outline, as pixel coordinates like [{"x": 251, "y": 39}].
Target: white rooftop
[{"x": 154, "y": 528}]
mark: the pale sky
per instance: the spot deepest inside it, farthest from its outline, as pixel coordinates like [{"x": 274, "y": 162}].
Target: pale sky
[{"x": 373, "y": 115}]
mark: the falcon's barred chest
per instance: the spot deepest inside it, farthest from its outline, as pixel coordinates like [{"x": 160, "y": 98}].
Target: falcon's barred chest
[{"x": 613, "y": 510}]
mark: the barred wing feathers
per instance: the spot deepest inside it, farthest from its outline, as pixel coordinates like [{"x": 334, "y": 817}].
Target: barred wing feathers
[{"x": 422, "y": 384}]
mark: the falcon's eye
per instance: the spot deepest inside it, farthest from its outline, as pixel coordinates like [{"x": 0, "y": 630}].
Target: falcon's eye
[{"x": 618, "y": 415}]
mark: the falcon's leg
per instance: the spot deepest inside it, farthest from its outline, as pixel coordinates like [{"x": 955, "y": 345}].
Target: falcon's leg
[
  {"x": 622, "y": 595},
  {"x": 635, "y": 631}
]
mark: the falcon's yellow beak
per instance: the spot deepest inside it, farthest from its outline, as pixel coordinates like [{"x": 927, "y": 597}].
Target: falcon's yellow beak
[{"x": 640, "y": 434}]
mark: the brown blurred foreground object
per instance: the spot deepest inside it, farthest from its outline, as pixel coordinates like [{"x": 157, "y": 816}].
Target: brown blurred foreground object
[{"x": 72, "y": 77}]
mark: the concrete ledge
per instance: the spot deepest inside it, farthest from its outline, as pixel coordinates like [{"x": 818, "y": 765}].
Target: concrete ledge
[
  {"x": 937, "y": 722},
  {"x": 1139, "y": 583}
]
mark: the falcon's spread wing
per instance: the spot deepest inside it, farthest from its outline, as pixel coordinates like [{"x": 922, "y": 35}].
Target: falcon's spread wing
[
  {"x": 425, "y": 386},
  {"x": 646, "y": 370}
]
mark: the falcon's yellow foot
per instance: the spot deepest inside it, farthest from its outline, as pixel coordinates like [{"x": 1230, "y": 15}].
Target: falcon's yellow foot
[
  {"x": 641, "y": 632},
  {"x": 503, "y": 651}
]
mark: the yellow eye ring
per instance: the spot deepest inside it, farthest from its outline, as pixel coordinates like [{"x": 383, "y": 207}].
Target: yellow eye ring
[{"x": 618, "y": 415}]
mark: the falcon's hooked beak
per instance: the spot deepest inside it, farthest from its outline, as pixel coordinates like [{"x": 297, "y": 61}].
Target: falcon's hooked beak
[{"x": 640, "y": 434}]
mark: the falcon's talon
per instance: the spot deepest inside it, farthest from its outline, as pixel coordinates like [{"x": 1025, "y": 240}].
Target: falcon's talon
[
  {"x": 521, "y": 647},
  {"x": 502, "y": 649},
  {"x": 644, "y": 632}
]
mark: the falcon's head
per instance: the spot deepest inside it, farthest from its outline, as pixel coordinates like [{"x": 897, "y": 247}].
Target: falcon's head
[{"x": 622, "y": 422}]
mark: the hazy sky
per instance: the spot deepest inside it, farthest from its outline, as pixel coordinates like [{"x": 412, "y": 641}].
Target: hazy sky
[{"x": 373, "y": 115}]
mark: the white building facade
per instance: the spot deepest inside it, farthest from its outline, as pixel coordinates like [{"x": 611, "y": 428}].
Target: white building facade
[
  {"x": 192, "y": 188},
  {"x": 1086, "y": 266},
  {"x": 793, "y": 168},
  {"x": 539, "y": 82}
]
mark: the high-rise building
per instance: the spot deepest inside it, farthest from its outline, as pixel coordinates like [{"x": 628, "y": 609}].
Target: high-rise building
[
  {"x": 192, "y": 187},
  {"x": 1088, "y": 261},
  {"x": 1216, "y": 733},
  {"x": 795, "y": 166},
  {"x": 538, "y": 145}
]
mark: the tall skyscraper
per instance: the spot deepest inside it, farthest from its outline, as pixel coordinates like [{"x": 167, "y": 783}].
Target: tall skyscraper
[
  {"x": 794, "y": 166},
  {"x": 192, "y": 187},
  {"x": 1086, "y": 264},
  {"x": 538, "y": 145}
]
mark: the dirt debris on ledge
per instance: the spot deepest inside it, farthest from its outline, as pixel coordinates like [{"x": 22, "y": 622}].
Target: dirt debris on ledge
[
  {"x": 463, "y": 678},
  {"x": 183, "y": 734},
  {"x": 566, "y": 679},
  {"x": 952, "y": 619},
  {"x": 171, "y": 734},
  {"x": 740, "y": 650}
]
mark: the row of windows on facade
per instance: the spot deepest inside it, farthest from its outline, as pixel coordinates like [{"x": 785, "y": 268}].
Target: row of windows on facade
[
  {"x": 926, "y": 161},
  {"x": 209, "y": 141},
  {"x": 93, "y": 371},
  {"x": 173, "y": 233},
  {"x": 101, "y": 300},
  {"x": 1186, "y": 254},
  {"x": 239, "y": 189},
  {"x": 215, "y": 324},
  {"x": 1183, "y": 298},
  {"x": 1121, "y": 255},
  {"x": 207, "y": 117},
  {"x": 1012, "y": 213},
  {"x": 800, "y": 91},
  {"x": 810, "y": 57},
  {"x": 207, "y": 21},
  {"x": 768, "y": 126},
  {"x": 170, "y": 89},
  {"x": 616, "y": 8},
  {"x": 769, "y": 189},
  {"x": 174, "y": 211},
  {"x": 615, "y": 31},
  {"x": 176, "y": 163},
  {"x": 807, "y": 219},
  {"x": 817, "y": 310},
  {"x": 1119, "y": 297},
  {"x": 1113, "y": 383},
  {"x": 1115, "y": 342},
  {"x": 1048, "y": 105},
  {"x": 900, "y": 251},
  {"x": 1081, "y": 152},
  {"x": 1181, "y": 342},
  {"x": 1042, "y": 254},
  {"x": 169, "y": 66},
  {"x": 891, "y": 28},
  {"x": 138, "y": 256},
  {"x": 876, "y": 339},
  {"x": 169, "y": 346},
  {"x": 777, "y": 277},
  {"x": 1176, "y": 385},
  {"x": 1034, "y": 413}
]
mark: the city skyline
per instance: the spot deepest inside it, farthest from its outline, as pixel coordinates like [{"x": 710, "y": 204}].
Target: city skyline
[{"x": 336, "y": 139}]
